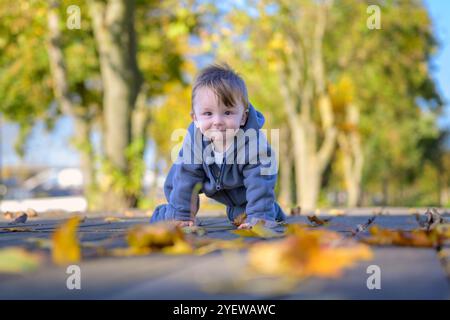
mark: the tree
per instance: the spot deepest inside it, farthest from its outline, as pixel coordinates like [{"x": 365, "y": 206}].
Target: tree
[{"x": 89, "y": 89}]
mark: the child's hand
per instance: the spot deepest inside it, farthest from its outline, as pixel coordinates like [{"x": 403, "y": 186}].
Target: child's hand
[
  {"x": 245, "y": 226},
  {"x": 182, "y": 224}
]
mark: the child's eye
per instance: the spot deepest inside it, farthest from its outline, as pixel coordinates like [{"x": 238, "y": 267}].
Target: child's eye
[
  {"x": 227, "y": 113},
  {"x": 207, "y": 113}
]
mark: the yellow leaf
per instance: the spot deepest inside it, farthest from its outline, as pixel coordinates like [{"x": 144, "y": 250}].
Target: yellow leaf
[
  {"x": 180, "y": 247},
  {"x": 17, "y": 260},
  {"x": 158, "y": 235},
  {"x": 444, "y": 230},
  {"x": 258, "y": 230},
  {"x": 66, "y": 248}
]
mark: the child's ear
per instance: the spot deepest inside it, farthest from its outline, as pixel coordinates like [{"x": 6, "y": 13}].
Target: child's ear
[
  {"x": 244, "y": 117},
  {"x": 194, "y": 118}
]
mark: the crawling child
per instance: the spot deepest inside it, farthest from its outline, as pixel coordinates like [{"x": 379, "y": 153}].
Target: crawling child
[{"x": 224, "y": 155}]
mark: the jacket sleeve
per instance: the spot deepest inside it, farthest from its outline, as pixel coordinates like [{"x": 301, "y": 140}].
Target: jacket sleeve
[
  {"x": 260, "y": 177},
  {"x": 184, "y": 175}
]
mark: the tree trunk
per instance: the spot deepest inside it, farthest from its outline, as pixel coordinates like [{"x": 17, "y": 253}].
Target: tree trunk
[
  {"x": 353, "y": 159},
  {"x": 80, "y": 114},
  {"x": 304, "y": 91},
  {"x": 285, "y": 196},
  {"x": 83, "y": 128},
  {"x": 113, "y": 24}
]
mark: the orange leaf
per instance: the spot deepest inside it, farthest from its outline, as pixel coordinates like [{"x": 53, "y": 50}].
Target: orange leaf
[{"x": 306, "y": 253}]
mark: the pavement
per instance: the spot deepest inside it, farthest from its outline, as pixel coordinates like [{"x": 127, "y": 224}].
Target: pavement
[{"x": 406, "y": 273}]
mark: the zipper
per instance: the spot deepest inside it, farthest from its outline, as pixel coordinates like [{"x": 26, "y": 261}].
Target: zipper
[
  {"x": 220, "y": 177},
  {"x": 219, "y": 182}
]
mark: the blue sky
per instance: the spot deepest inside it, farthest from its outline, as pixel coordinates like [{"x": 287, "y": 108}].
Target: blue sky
[
  {"x": 54, "y": 148},
  {"x": 440, "y": 14}
]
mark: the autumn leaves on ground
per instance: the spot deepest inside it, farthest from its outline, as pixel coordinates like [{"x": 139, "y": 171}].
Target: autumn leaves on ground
[{"x": 289, "y": 253}]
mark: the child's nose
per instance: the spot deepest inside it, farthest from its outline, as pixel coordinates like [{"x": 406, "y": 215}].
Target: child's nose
[{"x": 218, "y": 120}]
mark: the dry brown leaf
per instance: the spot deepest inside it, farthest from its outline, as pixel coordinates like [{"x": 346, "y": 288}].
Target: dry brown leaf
[
  {"x": 66, "y": 249},
  {"x": 306, "y": 253},
  {"x": 315, "y": 221}
]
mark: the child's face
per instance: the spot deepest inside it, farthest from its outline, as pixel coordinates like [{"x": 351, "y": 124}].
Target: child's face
[{"x": 215, "y": 120}]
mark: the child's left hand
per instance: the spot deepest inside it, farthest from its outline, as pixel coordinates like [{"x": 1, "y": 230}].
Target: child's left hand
[{"x": 245, "y": 226}]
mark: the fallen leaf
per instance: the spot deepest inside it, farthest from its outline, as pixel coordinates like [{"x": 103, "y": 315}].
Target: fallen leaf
[
  {"x": 414, "y": 238},
  {"x": 17, "y": 229},
  {"x": 258, "y": 231},
  {"x": 163, "y": 236},
  {"x": 8, "y": 215},
  {"x": 112, "y": 219},
  {"x": 306, "y": 253},
  {"x": 66, "y": 248},
  {"x": 31, "y": 213},
  {"x": 20, "y": 219},
  {"x": 18, "y": 260},
  {"x": 180, "y": 247},
  {"x": 156, "y": 235},
  {"x": 444, "y": 230},
  {"x": 316, "y": 222}
]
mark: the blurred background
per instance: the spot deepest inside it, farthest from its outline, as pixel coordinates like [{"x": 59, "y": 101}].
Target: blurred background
[{"x": 91, "y": 91}]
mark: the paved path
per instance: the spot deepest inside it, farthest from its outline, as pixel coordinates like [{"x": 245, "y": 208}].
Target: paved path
[{"x": 406, "y": 273}]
